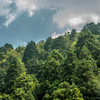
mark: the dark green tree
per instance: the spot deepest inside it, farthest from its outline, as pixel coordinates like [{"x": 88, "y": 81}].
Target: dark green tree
[
  {"x": 89, "y": 40},
  {"x": 92, "y": 27},
  {"x": 69, "y": 66},
  {"x": 48, "y": 44},
  {"x": 2, "y": 76},
  {"x": 86, "y": 73},
  {"x": 1, "y": 56},
  {"x": 8, "y": 46},
  {"x": 51, "y": 67},
  {"x": 19, "y": 49},
  {"x": 33, "y": 67},
  {"x": 72, "y": 35},
  {"x": 65, "y": 91},
  {"x": 16, "y": 67},
  {"x": 30, "y": 52},
  {"x": 60, "y": 43}
]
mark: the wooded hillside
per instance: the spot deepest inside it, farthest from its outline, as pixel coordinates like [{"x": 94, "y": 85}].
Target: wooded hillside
[{"x": 64, "y": 68}]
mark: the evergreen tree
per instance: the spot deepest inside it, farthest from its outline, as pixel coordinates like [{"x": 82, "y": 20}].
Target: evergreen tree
[
  {"x": 51, "y": 66},
  {"x": 72, "y": 35},
  {"x": 30, "y": 52},
  {"x": 2, "y": 76},
  {"x": 16, "y": 67},
  {"x": 33, "y": 67},
  {"x": 69, "y": 66},
  {"x": 65, "y": 91},
  {"x": 48, "y": 44},
  {"x": 92, "y": 27},
  {"x": 24, "y": 87},
  {"x": 8, "y": 46},
  {"x": 60, "y": 43},
  {"x": 89, "y": 40},
  {"x": 86, "y": 73}
]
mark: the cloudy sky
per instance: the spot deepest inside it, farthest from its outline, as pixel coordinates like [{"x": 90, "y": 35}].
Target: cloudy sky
[{"x": 24, "y": 20}]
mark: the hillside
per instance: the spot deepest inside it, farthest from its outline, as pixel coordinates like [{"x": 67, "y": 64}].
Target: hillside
[{"x": 64, "y": 68}]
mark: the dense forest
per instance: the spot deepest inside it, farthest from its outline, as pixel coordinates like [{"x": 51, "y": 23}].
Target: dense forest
[{"x": 64, "y": 68}]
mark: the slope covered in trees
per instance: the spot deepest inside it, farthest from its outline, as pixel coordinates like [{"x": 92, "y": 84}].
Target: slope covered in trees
[{"x": 64, "y": 68}]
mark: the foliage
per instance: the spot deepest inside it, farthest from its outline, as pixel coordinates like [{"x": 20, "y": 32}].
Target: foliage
[
  {"x": 48, "y": 44},
  {"x": 89, "y": 40},
  {"x": 2, "y": 76},
  {"x": 65, "y": 92},
  {"x": 69, "y": 66},
  {"x": 33, "y": 67},
  {"x": 51, "y": 66},
  {"x": 16, "y": 67},
  {"x": 24, "y": 87},
  {"x": 64, "y": 68},
  {"x": 30, "y": 52}
]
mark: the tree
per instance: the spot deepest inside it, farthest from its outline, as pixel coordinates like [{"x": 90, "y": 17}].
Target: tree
[
  {"x": 1, "y": 56},
  {"x": 92, "y": 27},
  {"x": 48, "y": 44},
  {"x": 72, "y": 35},
  {"x": 69, "y": 66},
  {"x": 86, "y": 73},
  {"x": 30, "y": 52},
  {"x": 8, "y": 46},
  {"x": 2, "y": 76},
  {"x": 60, "y": 43},
  {"x": 20, "y": 49},
  {"x": 51, "y": 66},
  {"x": 24, "y": 87},
  {"x": 65, "y": 91},
  {"x": 16, "y": 67},
  {"x": 89, "y": 40},
  {"x": 33, "y": 67}
]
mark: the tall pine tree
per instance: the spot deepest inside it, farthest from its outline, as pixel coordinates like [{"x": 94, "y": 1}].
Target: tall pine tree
[
  {"x": 30, "y": 52},
  {"x": 86, "y": 73},
  {"x": 16, "y": 67}
]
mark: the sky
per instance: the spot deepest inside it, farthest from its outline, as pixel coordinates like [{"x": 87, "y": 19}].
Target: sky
[{"x": 24, "y": 20}]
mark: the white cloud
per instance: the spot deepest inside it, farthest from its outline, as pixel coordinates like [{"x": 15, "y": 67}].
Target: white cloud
[
  {"x": 55, "y": 35},
  {"x": 25, "y": 5},
  {"x": 23, "y": 43},
  {"x": 21, "y": 5},
  {"x": 71, "y": 13},
  {"x": 10, "y": 18},
  {"x": 3, "y": 4}
]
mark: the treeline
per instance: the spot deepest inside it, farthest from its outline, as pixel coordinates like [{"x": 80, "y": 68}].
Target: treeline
[{"x": 64, "y": 68}]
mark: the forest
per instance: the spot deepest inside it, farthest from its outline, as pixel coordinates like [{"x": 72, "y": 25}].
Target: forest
[{"x": 64, "y": 68}]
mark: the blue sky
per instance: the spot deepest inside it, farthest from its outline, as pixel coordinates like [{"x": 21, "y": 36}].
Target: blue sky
[{"x": 24, "y": 20}]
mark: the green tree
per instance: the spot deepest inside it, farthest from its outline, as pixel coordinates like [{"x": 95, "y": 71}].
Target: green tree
[
  {"x": 61, "y": 44},
  {"x": 30, "y": 52},
  {"x": 2, "y": 76},
  {"x": 1, "y": 56},
  {"x": 72, "y": 35},
  {"x": 8, "y": 46},
  {"x": 51, "y": 66},
  {"x": 65, "y": 91},
  {"x": 89, "y": 40},
  {"x": 16, "y": 67},
  {"x": 92, "y": 27},
  {"x": 86, "y": 73},
  {"x": 33, "y": 67},
  {"x": 69, "y": 66},
  {"x": 24, "y": 87},
  {"x": 48, "y": 44}
]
